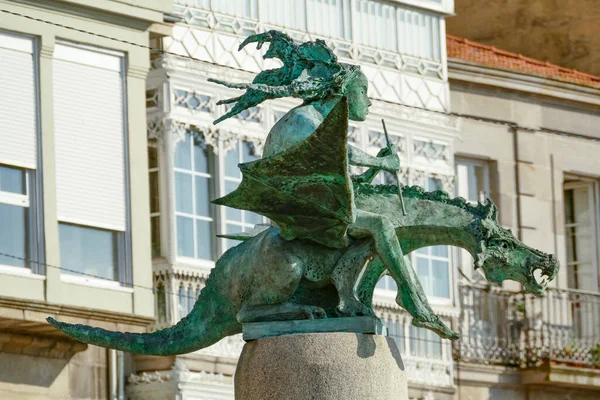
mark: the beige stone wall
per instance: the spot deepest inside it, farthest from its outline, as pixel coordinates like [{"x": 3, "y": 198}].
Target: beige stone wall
[
  {"x": 532, "y": 206},
  {"x": 562, "y": 32},
  {"x": 84, "y": 376}
]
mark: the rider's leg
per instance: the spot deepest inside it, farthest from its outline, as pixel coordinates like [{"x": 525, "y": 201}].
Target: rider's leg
[{"x": 410, "y": 292}]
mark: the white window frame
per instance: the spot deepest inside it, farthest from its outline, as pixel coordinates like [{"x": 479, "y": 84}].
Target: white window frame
[
  {"x": 121, "y": 280},
  {"x": 223, "y": 179},
  {"x": 212, "y": 220},
  {"x": 67, "y": 50},
  {"x": 463, "y": 187},
  {"x": 430, "y": 258},
  {"x": 594, "y": 201},
  {"x": 28, "y": 201},
  {"x": 464, "y": 260}
]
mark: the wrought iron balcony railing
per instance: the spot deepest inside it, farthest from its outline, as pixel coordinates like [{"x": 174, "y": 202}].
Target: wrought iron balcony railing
[{"x": 509, "y": 328}]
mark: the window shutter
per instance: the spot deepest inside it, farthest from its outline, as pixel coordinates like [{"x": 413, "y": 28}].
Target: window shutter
[
  {"x": 89, "y": 133},
  {"x": 18, "y": 103}
]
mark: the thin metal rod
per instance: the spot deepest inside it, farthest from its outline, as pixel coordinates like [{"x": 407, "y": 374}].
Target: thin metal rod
[{"x": 389, "y": 146}]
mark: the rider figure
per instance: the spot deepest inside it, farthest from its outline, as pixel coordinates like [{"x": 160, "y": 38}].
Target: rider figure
[{"x": 321, "y": 83}]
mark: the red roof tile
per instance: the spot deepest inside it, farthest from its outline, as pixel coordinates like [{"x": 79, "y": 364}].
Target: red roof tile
[{"x": 467, "y": 50}]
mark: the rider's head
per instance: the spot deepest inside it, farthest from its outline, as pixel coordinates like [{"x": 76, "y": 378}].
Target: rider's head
[
  {"x": 355, "y": 89},
  {"x": 311, "y": 72}
]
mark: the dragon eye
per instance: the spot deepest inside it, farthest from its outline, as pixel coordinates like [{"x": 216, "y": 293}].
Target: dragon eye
[{"x": 504, "y": 245}]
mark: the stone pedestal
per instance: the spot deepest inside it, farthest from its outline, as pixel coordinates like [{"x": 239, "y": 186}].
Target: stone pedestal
[{"x": 321, "y": 366}]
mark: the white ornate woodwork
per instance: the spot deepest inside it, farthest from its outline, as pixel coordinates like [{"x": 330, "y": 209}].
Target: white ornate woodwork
[{"x": 410, "y": 73}]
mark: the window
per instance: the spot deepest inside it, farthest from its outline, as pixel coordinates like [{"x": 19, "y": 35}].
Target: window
[
  {"x": 581, "y": 218},
  {"x": 91, "y": 252},
  {"x": 91, "y": 161},
  {"x": 154, "y": 201},
  {"x": 473, "y": 185},
  {"x": 379, "y": 25},
  {"x": 238, "y": 220},
  {"x": 20, "y": 238},
  {"x": 432, "y": 264},
  {"x": 472, "y": 180},
  {"x": 15, "y": 229},
  {"x": 193, "y": 192},
  {"x": 433, "y": 268}
]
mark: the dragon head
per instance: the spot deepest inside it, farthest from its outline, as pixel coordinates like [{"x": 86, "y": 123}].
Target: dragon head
[{"x": 502, "y": 256}]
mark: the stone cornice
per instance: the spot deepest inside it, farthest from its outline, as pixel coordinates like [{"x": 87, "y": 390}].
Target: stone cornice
[
  {"x": 59, "y": 310},
  {"x": 38, "y": 346},
  {"x": 465, "y": 71}
]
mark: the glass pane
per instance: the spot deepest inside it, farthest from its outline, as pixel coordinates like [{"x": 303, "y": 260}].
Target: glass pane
[
  {"x": 155, "y": 236},
  {"x": 13, "y": 235},
  {"x": 183, "y": 156},
  {"x": 161, "y": 303},
  {"x": 232, "y": 214},
  {"x": 88, "y": 251},
  {"x": 423, "y": 250},
  {"x": 231, "y": 243},
  {"x": 480, "y": 179},
  {"x": 152, "y": 157},
  {"x": 204, "y": 240},
  {"x": 200, "y": 158},
  {"x": 233, "y": 228},
  {"x": 423, "y": 273},
  {"x": 247, "y": 152},
  {"x": 439, "y": 251},
  {"x": 183, "y": 193},
  {"x": 390, "y": 283},
  {"x": 182, "y": 302},
  {"x": 154, "y": 193},
  {"x": 202, "y": 196},
  {"x": 12, "y": 180},
  {"x": 434, "y": 184},
  {"x": 252, "y": 218},
  {"x": 231, "y": 163},
  {"x": 185, "y": 237},
  {"x": 440, "y": 278},
  {"x": 191, "y": 299}
]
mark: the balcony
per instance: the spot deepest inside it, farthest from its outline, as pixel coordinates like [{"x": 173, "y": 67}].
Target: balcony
[{"x": 518, "y": 330}]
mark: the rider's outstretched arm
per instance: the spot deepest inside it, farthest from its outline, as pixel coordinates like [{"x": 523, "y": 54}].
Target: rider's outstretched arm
[{"x": 360, "y": 158}]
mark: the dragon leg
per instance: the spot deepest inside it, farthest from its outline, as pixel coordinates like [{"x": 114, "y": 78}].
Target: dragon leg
[{"x": 345, "y": 277}]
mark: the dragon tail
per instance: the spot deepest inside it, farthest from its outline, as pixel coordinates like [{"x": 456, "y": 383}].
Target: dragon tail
[{"x": 211, "y": 319}]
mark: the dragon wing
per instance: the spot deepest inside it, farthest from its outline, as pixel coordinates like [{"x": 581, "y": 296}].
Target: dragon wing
[{"x": 306, "y": 189}]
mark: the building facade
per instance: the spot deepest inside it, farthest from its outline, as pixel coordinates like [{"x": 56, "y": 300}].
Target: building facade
[
  {"x": 74, "y": 225},
  {"x": 448, "y": 138},
  {"x": 83, "y": 242},
  {"x": 529, "y": 140}
]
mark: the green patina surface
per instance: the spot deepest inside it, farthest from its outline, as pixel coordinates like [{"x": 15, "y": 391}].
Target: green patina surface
[{"x": 336, "y": 235}]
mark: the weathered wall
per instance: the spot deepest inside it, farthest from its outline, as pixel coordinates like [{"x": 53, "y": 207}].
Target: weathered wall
[{"x": 563, "y": 32}]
